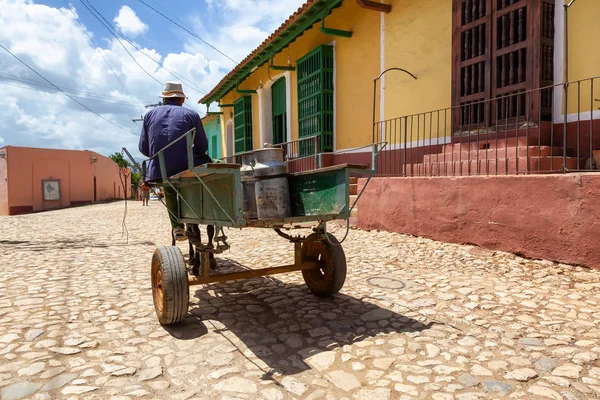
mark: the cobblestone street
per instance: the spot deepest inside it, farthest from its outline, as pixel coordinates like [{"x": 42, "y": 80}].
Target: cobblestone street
[{"x": 416, "y": 319}]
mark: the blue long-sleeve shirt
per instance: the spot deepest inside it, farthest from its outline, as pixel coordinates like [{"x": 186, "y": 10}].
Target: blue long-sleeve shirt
[{"x": 165, "y": 124}]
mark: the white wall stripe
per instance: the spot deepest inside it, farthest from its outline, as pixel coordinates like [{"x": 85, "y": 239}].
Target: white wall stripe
[
  {"x": 261, "y": 127},
  {"x": 382, "y": 68},
  {"x": 335, "y": 114},
  {"x": 288, "y": 103},
  {"x": 559, "y": 56}
]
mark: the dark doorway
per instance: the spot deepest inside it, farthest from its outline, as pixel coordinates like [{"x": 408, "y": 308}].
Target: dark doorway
[{"x": 94, "y": 189}]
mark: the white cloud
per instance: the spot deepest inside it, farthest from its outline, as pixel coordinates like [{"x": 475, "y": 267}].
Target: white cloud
[
  {"x": 51, "y": 41},
  {"x": 129, "y": 23},
  {"x": 244, "y": 29}
]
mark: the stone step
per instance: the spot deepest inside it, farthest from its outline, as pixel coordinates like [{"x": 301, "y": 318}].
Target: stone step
[
  {"x": 491, "y": 154},
  {"x": 490, "y": 144},
  {"x": 353, "y": 188},
  {"x": 500, "y": 166},
  {"x": 354, "y": 212}
]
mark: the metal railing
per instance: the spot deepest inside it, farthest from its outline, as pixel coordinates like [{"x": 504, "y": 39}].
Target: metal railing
[
  {"x": 524, "y": 132},
  {"x": 301, "y": 155}
]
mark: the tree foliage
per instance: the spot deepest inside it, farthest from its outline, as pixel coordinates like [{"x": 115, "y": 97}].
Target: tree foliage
[
  {"x": 120, "y": 160},
  {"x": 136, "y": 178}
]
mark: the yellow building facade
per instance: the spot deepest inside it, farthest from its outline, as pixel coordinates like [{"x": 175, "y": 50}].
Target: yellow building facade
[{"x": 415, "y": 36}]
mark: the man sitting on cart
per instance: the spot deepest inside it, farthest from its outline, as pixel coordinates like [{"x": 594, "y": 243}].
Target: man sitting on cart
[{"x": 163, "y": 125}]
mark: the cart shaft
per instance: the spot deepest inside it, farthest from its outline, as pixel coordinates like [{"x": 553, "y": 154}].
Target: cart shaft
[{"x": 254, "y": 273}]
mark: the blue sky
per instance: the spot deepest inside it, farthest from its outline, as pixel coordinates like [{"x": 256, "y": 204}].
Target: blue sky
[
  {"x": 46, "y": 36},
  {"x": 162, "y": 35}
]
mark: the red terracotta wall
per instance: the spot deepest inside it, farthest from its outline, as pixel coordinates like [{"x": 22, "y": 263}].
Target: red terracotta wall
[
  {"x": 108, "y": 183},
  {"x": 50, "y": 169},
  {"x": 555, "y": 217},
  {"x": 27, "y": 167},
  {"x": 20, "y": 175}
]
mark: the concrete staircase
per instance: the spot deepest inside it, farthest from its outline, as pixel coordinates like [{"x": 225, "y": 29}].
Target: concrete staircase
[{"x": 505, "y": 156}]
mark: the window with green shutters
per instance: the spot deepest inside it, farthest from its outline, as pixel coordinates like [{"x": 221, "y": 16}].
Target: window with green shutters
[
  {"x": 315, "y": 95},
  {"x": 242, "y": 120},
  {"x": 279, "y": 112}
]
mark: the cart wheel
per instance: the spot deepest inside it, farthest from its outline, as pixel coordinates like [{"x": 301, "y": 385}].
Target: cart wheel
[
  {"x": 329, "y": 278},
  {"x": 169, "y": 285}
]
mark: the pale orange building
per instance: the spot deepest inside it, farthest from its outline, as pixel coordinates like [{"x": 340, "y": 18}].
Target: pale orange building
[{"x": 34, "y": 179}]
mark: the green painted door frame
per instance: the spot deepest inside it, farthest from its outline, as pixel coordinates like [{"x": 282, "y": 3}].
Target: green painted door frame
[
  {"x": 242, "y": 110},
  {"x": 213, "y": 136},
  {"x": 279, "y": 111},
  {"x": 315, "y": 95}
]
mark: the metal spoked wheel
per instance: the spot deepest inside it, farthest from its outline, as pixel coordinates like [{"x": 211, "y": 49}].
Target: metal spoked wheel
[
  {"x": 329, "y": 278},
  {"x": 169, "y": 285}
]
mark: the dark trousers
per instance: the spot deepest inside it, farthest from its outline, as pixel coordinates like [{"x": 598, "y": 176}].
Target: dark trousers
[
  {"x": 171, "y": 194},
  {"x": 171, "y": 202}
]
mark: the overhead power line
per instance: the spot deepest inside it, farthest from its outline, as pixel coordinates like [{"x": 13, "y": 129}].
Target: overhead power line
[
  {"x": 79, "y": 93},
  {"x": 114, "y": 31},
  {"x": 65, "y": 93},
  {"x": 188, "y": 31},
  {"x": 48, "y": 90},
  {"x": 99, "y": 52},
  {"x": 192, "y": 108},
  {"x": 85, "y": 4}
]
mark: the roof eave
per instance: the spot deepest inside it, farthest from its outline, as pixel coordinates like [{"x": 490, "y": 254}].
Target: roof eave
[{"x": 270, "y": 47}]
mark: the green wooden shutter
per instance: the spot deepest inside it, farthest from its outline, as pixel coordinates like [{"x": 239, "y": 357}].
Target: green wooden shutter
[
  {"x": 279, "y": 112},
  {"x": 213, "y": 148},
  {"x": 242, "y": 120},
  {"x": 315, "y": 95}
]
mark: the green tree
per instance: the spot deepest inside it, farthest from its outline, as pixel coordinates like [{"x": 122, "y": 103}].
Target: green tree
[
  {"x": 120, "y": 160},
  {"x": 136, "y": 178}
]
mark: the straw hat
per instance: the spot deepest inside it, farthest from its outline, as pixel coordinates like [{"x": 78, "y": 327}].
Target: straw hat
[{"x": 173, "y": 90}]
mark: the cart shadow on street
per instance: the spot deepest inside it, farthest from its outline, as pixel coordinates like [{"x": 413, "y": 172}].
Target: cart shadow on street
[
  {"x": 64, "y": 244},
  {"x": 283, "y": 324}
]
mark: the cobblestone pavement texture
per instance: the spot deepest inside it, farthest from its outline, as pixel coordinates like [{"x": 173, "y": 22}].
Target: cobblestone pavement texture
[{"x": 416, "y": 319}]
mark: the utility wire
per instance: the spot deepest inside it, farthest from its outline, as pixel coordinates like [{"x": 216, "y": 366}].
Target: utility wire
[
  {"x": 192, "y": 108},
  {"x": 112, "y": 29},
  {"x": 114, "y": 32},
  {"x": 121, "y": 43},
  {"x": 79, "y": 93},
  {"x": 47, "y": 90},
  {"x": 65, "y": 93},
  {"x": 99, "y": 52},
  {"x": 187, "y": 30}
]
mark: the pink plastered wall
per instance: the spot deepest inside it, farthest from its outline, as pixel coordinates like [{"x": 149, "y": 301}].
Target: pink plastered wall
[
  {"x": 554, "y": 217},
  {"x": 26, "y": 168},
  {"x": 3, "y": 185}
]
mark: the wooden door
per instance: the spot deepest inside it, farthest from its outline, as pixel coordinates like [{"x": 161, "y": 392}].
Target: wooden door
[
  {"x": 279, "y": 111},
  {"x": 503, "y": 53}
]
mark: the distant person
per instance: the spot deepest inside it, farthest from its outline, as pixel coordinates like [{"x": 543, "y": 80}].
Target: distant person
[
  {"x": 145, "y": 194},
  {"x": 163, "y": 125}
]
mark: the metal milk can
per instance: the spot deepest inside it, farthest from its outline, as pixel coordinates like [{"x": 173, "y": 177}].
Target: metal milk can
[
  {"x": 272, "y": 187},
  {"x": 248, "y": 187}
]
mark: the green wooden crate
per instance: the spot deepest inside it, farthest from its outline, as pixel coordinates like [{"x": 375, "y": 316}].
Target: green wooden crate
[{"x": 320, "y": 193}]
